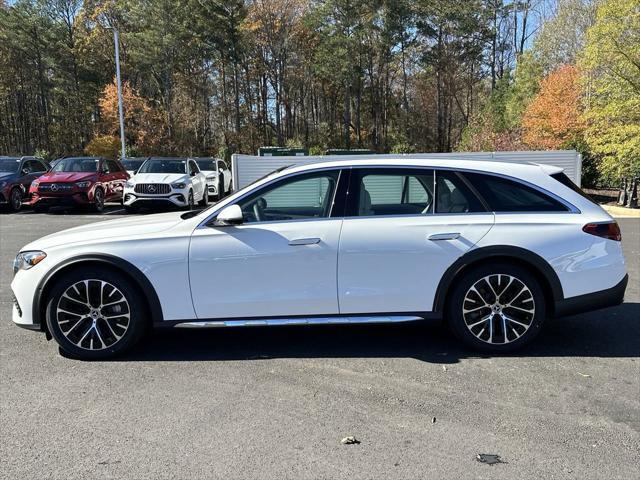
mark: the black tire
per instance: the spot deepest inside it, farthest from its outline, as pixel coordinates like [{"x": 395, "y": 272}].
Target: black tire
[
  {"x": 94, "y": 329},
  {"x": 98, "y": 200},
  {"x": 205, "y": 198},
  {"x": 220, "y": 188},
  {"x": 190, "y": 201},
  {"x": 15, "y": 199},
  {"x": 40, "y": 209},
  {"x": 480, "y": 320}
]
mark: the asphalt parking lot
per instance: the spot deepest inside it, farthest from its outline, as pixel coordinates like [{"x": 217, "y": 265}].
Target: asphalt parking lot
[{"x": 275, "y": 403}]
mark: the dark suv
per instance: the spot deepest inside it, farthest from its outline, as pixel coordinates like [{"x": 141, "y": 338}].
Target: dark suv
[
  {"x": 16, "y": 174},
  {"x": 78, "y": 181}
]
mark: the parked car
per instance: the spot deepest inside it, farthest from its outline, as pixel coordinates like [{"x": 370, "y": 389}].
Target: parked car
[
  {"x": 16, "y": 174},
  {"x": 79, "y": 181},
  {"x": 218, "y": 176},
  {"x": 494, "y": 248},
  {"x": 166, "y": 182},
  {"x": 132, "y": 164}
]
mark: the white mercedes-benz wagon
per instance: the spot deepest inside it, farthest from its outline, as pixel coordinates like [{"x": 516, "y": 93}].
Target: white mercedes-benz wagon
[{"x": 493, "y": 248}]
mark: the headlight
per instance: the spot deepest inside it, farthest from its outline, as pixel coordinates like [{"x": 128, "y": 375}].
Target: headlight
[
  {"x": 26, "y": 260},
  {"x": 83, "y": 184},
  {"x": 178, "y": 186},
  {"x": 129, "y": 184},
  {"x": 35, "y": 184}
]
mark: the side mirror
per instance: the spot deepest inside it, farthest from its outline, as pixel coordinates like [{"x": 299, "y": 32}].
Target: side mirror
[
  {"x": 26, "y": 171},
  {"x": 231, "y": 215}
]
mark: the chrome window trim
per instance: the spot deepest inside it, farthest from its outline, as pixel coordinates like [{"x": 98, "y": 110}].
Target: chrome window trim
[{"x": 572, "y": 209}]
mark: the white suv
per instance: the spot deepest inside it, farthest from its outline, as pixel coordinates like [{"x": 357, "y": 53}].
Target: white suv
[
  {"x": 218, "y": 176},
  {"x": 493, "y": 248},
  {"x": 164, "y": 181}
]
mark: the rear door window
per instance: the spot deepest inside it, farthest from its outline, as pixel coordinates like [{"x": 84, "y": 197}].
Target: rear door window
[
  {"x": 503, "y": 195},
  {"x": 393, "y": 192},
  {"x": 454, "y": 196}
]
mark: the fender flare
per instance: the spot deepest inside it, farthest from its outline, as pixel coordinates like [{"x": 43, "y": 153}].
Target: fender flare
[
  {"x": 546, "y": 273},
  {"x": 130, "y": 270}
]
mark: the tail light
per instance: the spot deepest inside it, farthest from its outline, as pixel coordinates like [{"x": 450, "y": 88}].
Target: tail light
[{"x": 609, "y": 230}]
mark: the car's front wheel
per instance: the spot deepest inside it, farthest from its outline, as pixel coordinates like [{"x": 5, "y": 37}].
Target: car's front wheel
[
  {"x": 205, "y": 198},
  {"x": 98, "y": 200},
  {"x": 496, "y": 308},
  {"x": 15, "y": 199},
  {"x": 95, "y": 313}
]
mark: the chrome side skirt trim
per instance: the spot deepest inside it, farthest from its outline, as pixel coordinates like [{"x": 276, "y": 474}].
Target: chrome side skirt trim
[{"x": 298, "y": 321}]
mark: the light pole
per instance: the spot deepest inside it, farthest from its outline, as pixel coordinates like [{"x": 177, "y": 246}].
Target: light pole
[{"x": 118, "y": 82}]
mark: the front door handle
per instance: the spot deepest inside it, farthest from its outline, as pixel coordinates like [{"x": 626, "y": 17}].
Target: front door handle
[
  {"x": 304, "y": 241},
  {"x": 444, "y": 236}
]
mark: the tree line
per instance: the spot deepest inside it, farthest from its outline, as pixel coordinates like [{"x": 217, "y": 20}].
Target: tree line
[{"x": 213, "y": 77}]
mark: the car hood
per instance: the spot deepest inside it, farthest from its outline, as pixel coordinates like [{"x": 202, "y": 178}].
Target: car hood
[
  {"x": 7, "y": 176},
  {"x": 209, "y": 172},
  {"x": 160, "y": 178},
  {"x": 111, "y": 229},
  {"x": 67, "y": 176}
]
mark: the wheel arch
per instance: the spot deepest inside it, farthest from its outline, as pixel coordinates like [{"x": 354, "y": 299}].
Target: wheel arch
[
  {"x": 534, "y": 263},
  {"x": 102, "y": 260}
]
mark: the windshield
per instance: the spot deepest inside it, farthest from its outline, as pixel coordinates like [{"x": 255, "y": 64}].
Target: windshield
[
  {"x": 9, "y": 164},
  {"x": 206, "y": 163},
  {"x": 131, "y": 164},
  {"x": 77, "y": 165},
  {"x": 164, "y": 165}
]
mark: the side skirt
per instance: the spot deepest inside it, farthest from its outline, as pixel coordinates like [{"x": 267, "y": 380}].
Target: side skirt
[{"x": 267, "y": 322}]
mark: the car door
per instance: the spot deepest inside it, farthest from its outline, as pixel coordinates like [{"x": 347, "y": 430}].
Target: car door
[
  {"x": 403, "y": 229},
  {"x": 197, "y": 180},
  {"x": 281, "y": 261},
  {"x": 31, "y": 169}
]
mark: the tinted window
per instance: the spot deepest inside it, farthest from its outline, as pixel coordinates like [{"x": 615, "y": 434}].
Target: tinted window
[
  {"x": 34, "y": 166},
  {"x": 206, "y": 163},
  {"x": 131, "y": 164},
  {"x": 296, "y": 198},
  {"x": 504, "y": 195},
  {"x": 566, "y": 181},
  {"x": 76, "y": 165},
  {"x": 164, "y": 165},
  {"x": 453, "y": 195},
  {"x": 222, "y": 165},
  {"x": 112, "y": 167},
  {"x": 394, "y": 192}
]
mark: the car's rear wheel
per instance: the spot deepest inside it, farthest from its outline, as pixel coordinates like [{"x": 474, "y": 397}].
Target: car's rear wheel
[
  {"x": 98, "y": 200},
  {"x": 496, "y": 308},
  {"x": 95, "y": 313}
]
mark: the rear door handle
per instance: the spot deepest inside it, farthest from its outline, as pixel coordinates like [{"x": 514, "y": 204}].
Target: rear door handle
[
  {"x": 304, "y": 241},
  {"x": 444, "y": 236}
]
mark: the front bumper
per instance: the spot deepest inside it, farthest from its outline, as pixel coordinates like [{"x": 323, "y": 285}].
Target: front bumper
[
  {"x": 592, "y": 301},
  {"x": 77, "y": 198},
  {"x": 175, "y": 198}
]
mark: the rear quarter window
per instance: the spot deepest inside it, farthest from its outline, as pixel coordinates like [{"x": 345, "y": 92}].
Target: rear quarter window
[{"x": 503, "y": 195}]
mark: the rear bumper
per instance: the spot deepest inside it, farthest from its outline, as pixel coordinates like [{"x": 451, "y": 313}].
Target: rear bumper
[{"x": 592, "y": 301}]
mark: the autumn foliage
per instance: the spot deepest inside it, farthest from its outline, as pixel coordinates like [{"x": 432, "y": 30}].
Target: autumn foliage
[
  {"x": 553, "y": 119},
  {"x": 145, "y": 125}
]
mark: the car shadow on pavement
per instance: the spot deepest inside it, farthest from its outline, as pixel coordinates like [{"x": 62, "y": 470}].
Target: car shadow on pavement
[{"x": 614, "y": 332}]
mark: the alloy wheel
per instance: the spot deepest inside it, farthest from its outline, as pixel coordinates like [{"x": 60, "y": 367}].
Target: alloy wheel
[
  {"x": 93, "y": 314},
  {"x": 16, "y": 199},
  {"x": 498, "y": 309}
]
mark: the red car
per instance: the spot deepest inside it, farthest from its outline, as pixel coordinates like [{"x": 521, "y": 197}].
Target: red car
[{"x": 79, "y": 181}]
